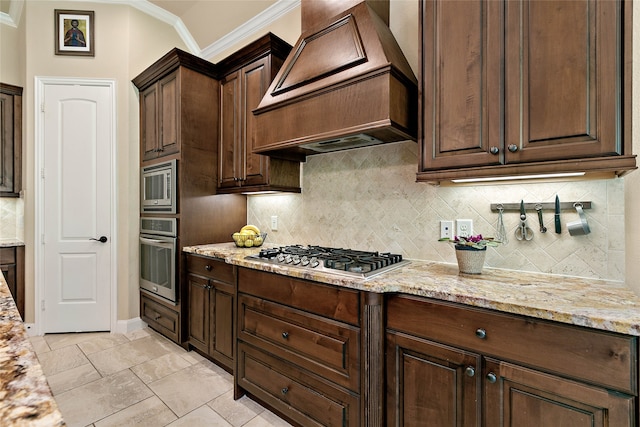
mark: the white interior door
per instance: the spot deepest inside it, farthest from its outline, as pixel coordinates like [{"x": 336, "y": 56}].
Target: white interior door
[{"x": 77, "y": 135}]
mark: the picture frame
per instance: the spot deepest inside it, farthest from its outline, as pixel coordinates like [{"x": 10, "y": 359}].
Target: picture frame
[{"x": 75, "y": 32}]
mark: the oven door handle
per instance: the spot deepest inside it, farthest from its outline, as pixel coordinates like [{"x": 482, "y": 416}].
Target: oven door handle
[{"x": 155, "y": 242}]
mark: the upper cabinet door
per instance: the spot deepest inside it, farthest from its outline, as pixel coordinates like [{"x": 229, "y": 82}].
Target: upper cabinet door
[
  {"x": 256, "y": 79},
  {"x": 563, "y": 74},
  {"x": 10, "y": 140},
  {"x": 461, "y": 83},
  {"x": 229, "y": 168},
  {"x": 159, "y": 118}
]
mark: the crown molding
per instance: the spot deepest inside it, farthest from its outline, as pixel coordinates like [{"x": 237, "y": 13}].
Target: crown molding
[
  {"x": 252, "y": 26},
  {"x": 13, "y": 17}
]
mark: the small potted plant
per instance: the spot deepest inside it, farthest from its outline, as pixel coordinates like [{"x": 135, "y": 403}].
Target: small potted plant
[{"x": 471, "y": 251}]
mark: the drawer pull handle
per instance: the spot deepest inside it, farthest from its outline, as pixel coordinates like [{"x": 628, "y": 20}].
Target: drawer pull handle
[
  {"x": 156, "y": 317},
  {"x": 285, "y": 335},
  {"x": 491, "y": 377},
  {"x": 208, "y": 267},
  {"x": 284, "y": 390},
  {"x": 481, "y": 333},
  {"x": 470, "y": 371}
]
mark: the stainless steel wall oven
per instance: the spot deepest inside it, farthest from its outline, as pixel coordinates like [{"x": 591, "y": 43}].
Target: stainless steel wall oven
[{"x": 158, "y": 257}]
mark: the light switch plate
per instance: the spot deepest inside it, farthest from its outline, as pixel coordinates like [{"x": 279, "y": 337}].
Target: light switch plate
[{"x": 464, "y": 227}]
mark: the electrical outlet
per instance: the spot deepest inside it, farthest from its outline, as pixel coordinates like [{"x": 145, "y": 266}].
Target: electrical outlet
[
  {"x": 446, "y": 229},
  {"x": 274, "y": 223},
  {"x": 464, "y": 227}
]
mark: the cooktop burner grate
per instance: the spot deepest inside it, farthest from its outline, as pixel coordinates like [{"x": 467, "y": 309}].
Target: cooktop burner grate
[{"x": 349, "y": 262}]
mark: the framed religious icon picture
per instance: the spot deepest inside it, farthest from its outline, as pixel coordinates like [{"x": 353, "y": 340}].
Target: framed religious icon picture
[{"x": 75, "y": 32}]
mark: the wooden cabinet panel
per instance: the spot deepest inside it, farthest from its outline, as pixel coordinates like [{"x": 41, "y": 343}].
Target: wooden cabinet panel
[
  {"x": 199, "y": 312},
  {"x": 12, "y": 267},
  {"x": 575, "y": 350},
  {"x": 526, "y": 398},
  {"x": 533, "y": 373},
  {"x": 432, "y": 383},
  {"x": 159, "y": 317},
  {"x": 159, "y": 118},
  {"x": 461, "y": 81},
  {"x": 524, "y": 87},
  {"x": 329, "y": 348},
  {"x": 247, "y": 75},
  {"x": 563, "y": 78},
  {"x": 211, "y": 290},
  {"x": 10, "y": 140},
  {"x": 334, "y": 302},
  {"x": 303, "y": 398}
]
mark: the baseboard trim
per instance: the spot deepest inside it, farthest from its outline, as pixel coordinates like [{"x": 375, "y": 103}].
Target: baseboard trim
[{"x": 130, "y": 325}]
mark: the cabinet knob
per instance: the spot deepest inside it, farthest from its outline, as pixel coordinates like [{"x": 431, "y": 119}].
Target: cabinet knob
[
  {"x": 494, "y": 150},
  {"x": 491, "y": 377},
  {"x": 285, "y": 335},
  {"x": 481, "y": 333},
  {"x": 470, "y": 371},
  {"x": 156, "y": 317},
  {"x": 512, "y": 147},
  {"x": 285, "y": 390},
  {"x": 208, "y": 267}
]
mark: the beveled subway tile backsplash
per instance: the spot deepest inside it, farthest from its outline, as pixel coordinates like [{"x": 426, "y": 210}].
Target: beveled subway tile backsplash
[
  {"x": 11, "y": 218},
  {"x": 368, "y": 199}
]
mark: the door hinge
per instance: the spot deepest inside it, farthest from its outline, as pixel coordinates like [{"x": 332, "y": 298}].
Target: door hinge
[
  {"x": 42, "y": 173},
  {"x": 42, "y": 305},
  {"x": 42, "y": 107}
]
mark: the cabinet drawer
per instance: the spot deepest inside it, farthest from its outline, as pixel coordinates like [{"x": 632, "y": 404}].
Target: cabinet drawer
[
  {"x": 328, "y": 348},
  {"x": 325, "y": 300},
  {"x": 595, "y": 356},
  {"x": 211, "y": 268},
  {"x": 305, "y": 399},
  {"x": 7, "y": 256},
  {"x": 160, "y": 317}
]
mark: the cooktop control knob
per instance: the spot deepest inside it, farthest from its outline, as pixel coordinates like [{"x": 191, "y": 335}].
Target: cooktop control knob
[
  {"x": 304, "y": 261},
  {"x": 296, "y": 260},
  {"x": 314, "y": 262}
]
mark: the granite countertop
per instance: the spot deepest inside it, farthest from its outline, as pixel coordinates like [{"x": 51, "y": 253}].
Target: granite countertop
[
  {"x": 25, "y": 396},
  {"x": 597, "y": 304},
  {"x": 9, "y": 243}
]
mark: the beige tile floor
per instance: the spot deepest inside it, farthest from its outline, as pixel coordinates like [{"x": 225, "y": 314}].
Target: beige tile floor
[{"x": 141, "y": 379}]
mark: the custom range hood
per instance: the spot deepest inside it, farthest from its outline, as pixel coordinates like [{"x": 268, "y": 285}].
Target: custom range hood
[{"x": 345, "y": 84}]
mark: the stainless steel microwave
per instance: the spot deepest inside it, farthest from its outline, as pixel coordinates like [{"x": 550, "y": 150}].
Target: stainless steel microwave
[{"x": 158, "y": 188}]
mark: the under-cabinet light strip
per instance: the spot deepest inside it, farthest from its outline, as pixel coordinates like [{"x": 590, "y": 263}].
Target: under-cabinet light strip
[{"x": 510, "y": 178}]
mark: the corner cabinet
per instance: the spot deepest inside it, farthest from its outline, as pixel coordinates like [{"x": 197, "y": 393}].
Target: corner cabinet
[
  {"x": 247, "y": 75},
  {"x": 524, "y": 87},
  {"x": 212, "y": 287},
  {"x": 454, "y": 365},
  {"x": 11, "y": 142}
]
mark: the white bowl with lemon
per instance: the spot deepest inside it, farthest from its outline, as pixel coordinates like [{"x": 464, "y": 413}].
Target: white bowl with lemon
[{"x": 249, "y": 236}]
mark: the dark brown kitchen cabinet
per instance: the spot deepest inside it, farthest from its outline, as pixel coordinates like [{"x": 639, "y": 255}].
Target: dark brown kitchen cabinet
[
  {"x": 211, "y": 287},
  {"x": 161, "y": 315},
  {"x": 179, "y": 117},
  {"x": 176, "y": 98},
  {"x": 247, "y": 75},
  {"x": 11, "y": 142},
  {"x": 159, "y": 112},
  {"x": 12, "y": 267},
  {"x": 453, "y": 365},
  {"x": 524, "y": 87},
  {"x": 299, "y": 348}
]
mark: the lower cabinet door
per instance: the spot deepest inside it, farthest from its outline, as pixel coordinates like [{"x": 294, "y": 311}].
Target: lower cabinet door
[
  {"x": 295, "y": 393},
  {"x": 517, "y": 396},
  {"x": 223, "y": 315},
  {"x": 199, "y": 316},
  {"x": 430, "y": 384}
]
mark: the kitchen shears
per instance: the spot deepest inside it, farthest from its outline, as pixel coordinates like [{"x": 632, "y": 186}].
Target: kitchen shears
[{"x": 523, "y": 232}]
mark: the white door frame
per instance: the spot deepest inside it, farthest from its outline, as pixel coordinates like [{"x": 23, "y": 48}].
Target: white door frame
[{"x": 40, "y": 83}]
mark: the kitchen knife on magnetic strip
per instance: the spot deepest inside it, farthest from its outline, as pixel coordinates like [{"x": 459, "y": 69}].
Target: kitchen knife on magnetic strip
[{"x": 557, "y": 216}]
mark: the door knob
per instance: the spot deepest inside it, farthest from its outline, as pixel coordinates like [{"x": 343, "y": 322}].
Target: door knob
[{"x": 102, "y": 239}]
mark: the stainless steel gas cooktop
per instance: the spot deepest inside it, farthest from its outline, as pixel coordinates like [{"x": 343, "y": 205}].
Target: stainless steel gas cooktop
[{"x": 347, "y": 262}]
